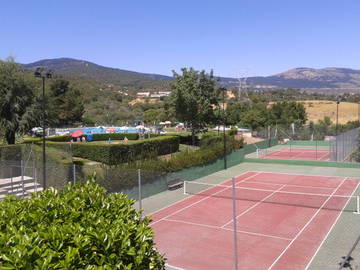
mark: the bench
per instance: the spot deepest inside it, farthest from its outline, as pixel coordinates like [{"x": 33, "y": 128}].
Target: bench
[{"x": 175, "y": 184}]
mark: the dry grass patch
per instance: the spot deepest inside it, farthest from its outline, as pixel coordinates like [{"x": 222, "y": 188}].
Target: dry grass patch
[{"x": 318, "y": 109}]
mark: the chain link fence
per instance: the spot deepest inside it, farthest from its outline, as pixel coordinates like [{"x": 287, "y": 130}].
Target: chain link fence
[
  {"x": 343, "y": 145},
  {"x": 315, "y": 141}
]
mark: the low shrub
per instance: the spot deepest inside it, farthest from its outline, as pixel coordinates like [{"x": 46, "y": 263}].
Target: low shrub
[
  {"x": 81, "y": 227},
  {"x": 233, "y": 131}
]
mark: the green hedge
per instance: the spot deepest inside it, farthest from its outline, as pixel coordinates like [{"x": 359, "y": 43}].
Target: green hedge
[
  {"x": 186, "y": 138},
  {"x": 65, "y": 138},
  {"x": 96, "y": 137},
  {"x": 113, "y": 154},
  {"x": 81, "y": 227},
  {"x": 208, "y": 140},
  {"x": 115, "y": 136},
  {"x": 184, "y": 160}
]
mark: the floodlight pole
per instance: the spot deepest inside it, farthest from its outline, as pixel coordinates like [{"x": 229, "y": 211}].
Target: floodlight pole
[
  {"x": 39, "y": 73},
  {"x": 44, "y": 131},
  {"x": 336, "y": 129},
  {"x": 224, "y": 122}
]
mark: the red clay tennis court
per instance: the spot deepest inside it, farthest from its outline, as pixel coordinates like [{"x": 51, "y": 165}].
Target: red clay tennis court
[
  {"x": 298, "y": 154},
  {"x": 282, "y": 219}
]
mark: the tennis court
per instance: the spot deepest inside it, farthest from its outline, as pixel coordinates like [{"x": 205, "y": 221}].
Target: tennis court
[
  {"x": 282, "y": 219},
  {"x": 297, "y": 154}
]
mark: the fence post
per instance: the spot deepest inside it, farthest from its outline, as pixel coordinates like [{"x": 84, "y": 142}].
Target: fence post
[
  {"x": 34, "y": 175},
  {"x": 234, "y": 223},
  {"x": 22, "y": 178},
  {"x": 74, "y": 173},
  {"x": 139, "y": 190},
  {"x": 11, "y": 179}
]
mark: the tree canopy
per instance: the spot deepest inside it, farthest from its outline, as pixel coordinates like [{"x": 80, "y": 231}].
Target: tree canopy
[
  {"x": 194, "y": 97},
  {"x": 66, "y": 103},
  {"x": 18, "y": 111}
]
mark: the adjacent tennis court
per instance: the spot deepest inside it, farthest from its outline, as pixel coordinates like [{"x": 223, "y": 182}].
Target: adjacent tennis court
[
  {"x": 296, "y": 154},
  {"x": 281, "y": 219}
]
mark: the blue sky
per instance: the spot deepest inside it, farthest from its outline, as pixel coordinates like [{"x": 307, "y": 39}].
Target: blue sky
[{"x": 247, "y": 37}]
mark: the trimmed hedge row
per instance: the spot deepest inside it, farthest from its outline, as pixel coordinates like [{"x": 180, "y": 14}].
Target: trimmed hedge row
[
  {"x": 115, "y": 136},
  {"x": 185, "y": 160},
  {"x": 186, "y": 139},
  {"x": 96, "y": 137},
  {"x": 113, "y": 154},
  {"x": 65, "y": 138}
]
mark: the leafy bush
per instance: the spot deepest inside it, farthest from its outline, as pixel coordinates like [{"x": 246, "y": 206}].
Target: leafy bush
[
  {"x": 113, "y": 154},
  {"x": 81, "y": 227},
  {"x": 233, "y": 131}
]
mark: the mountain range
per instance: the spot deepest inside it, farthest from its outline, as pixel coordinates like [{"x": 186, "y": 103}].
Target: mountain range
[{"x": 326, "y": 79}]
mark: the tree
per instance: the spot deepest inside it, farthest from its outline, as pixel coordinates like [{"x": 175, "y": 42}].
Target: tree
[
  {"x": 193, "y": 99},
  {"x": 258, "y": 116},
  {"x": 287, "y": 113},
  {"x": 18, "y": 111},
  {"x": 235, "y": 112},
  {"x": 67, "y": 105},
  {"x": 152, "y": 115}
]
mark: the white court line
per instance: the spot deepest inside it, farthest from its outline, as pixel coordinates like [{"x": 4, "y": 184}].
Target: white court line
[
  {"x": 326, "y": 154},
  {"x": 194, "y": 203},
  {"x": 228, "y": 229},
  {"x": 307, "y": 224},
  {"x": 305, "y": 174},
  {"x": 332, "y": 226},
  {"x": 279, "y": 184},
  {"x": 174, "y": 267},
  {"x": 253, "y": 206}
]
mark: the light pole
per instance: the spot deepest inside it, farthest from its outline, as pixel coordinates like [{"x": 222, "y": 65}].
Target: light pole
[
  {"x": 336, "y": 128},
  {"x": 224, "y": 123},
  {"x": 40, "y": 73}
]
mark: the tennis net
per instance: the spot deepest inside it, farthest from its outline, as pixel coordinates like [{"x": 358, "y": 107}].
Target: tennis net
[
  {"x": 261, "y": 153},
  {"x": 327, "y": 201}
]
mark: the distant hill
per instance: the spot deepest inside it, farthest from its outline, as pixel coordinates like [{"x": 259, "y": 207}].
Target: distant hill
[
  {"x": 306, "y": 78},
  {"x": 327, "y": 79},
  {"x": 87, "y": 70}
]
